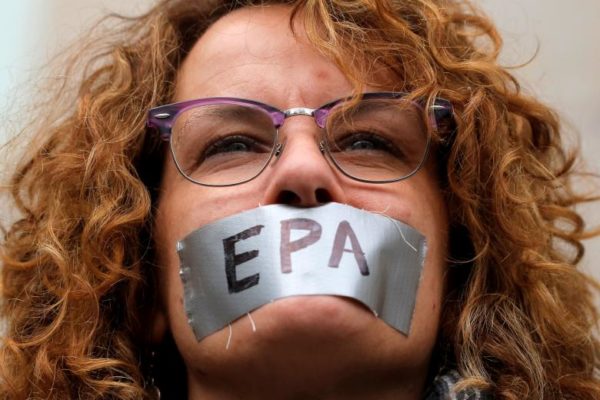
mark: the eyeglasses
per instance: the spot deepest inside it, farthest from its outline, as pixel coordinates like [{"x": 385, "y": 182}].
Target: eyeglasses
[{"x": 224, "y": 141}]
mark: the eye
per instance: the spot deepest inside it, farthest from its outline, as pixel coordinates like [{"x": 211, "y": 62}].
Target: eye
[
  {"x": 365, "y": 141},
  {"x": 234, "y": 144},
  {"x": 363, "y": 144}
]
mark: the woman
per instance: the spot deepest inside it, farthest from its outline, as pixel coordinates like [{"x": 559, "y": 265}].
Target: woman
[{"x": 91, "y": 288}]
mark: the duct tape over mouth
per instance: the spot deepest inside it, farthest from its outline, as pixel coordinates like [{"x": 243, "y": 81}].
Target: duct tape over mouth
[{"x": 242, "y": 262}]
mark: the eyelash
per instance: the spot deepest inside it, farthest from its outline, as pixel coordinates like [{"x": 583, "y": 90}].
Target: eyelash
[
  {"x": 218, "y": 145},
  {"x": 378, "y": 140}
]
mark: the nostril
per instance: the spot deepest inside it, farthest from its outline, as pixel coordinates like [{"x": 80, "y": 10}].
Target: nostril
[
  {"x": 288, "y": 197},
  {"x": 323, "y": 196}
]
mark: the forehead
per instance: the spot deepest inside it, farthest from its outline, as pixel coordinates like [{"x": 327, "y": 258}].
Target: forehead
[
  {"x": 255, "y": 48},
  {"x": 247, "y": 47},
  {"x": 261, "y": 31}
]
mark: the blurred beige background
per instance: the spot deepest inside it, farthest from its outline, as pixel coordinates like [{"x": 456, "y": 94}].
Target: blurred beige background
[{"x": 565, "y": 72}]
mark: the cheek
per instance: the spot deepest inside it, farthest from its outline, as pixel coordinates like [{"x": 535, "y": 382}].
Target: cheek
[
  {"x": 432, "y": 286},
  {"x": 182, "y": 208},
  {"x": 429, "y": 211},
  {"x": 425, "y": 207}
]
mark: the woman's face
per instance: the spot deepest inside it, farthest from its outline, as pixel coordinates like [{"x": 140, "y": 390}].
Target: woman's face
[{"x": 317, "y": 344}]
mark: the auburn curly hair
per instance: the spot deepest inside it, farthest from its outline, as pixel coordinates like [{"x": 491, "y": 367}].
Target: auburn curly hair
[{"x": 519, "y": 317}]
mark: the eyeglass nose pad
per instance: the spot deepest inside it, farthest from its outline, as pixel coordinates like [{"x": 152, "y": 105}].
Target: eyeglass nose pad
[
  {"x": 322, "y": 147},
  {"x": 278, "y": 149}
]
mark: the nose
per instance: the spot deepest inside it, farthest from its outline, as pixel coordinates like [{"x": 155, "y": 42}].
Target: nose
[{"x": 300, "y": 175}]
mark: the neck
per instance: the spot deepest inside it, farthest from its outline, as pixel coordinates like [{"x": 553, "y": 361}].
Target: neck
[{"x": 314, "y": 383}]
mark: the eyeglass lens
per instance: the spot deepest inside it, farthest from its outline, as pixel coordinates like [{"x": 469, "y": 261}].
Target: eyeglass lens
[{"x": 373, "y": 140}]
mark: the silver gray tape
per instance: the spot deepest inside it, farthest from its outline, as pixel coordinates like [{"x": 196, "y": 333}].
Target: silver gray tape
[{"x": 239, "y": 263}]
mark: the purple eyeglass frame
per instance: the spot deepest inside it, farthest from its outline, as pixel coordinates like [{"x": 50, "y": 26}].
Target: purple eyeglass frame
[{"x": 163, "y": 117}]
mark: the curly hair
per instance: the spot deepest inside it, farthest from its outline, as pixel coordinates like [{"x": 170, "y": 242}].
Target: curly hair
[{"x": 519, "y": 317}]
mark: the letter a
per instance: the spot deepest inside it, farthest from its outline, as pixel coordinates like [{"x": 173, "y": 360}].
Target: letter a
[{"x": 344, "y": 231}]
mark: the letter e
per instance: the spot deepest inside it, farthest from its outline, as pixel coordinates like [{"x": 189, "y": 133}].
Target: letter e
[{"x": 232, "y": 260}]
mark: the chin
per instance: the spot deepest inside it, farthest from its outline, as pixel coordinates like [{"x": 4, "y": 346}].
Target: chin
[
  {"x": 315, "y": 327},
  {"x": 333, "y": 316},
  {"x": 322, "y": 336}
]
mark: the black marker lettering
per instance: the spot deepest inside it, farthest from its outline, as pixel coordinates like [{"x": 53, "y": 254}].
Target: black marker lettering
[
  {"x": 232, "y": 260},
  {"x": 344, "y": 231},
  {"x": 288, "y": 247}
]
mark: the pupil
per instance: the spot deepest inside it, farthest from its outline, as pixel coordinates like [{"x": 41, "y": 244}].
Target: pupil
[
  {"x": 362, "y": 145},
  {"x": 236, "y": 146}
]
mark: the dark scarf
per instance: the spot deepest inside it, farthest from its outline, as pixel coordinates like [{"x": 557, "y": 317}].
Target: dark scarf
[{"x": 443, "y": 389}]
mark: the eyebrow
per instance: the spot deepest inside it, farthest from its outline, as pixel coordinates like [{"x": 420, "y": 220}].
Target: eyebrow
[{"x": 236, "y": 112}]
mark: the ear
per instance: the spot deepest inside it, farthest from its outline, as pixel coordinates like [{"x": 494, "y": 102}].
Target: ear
[
  {"x": 158, "y": 326},
  {"x": 154, "y": 320}
]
